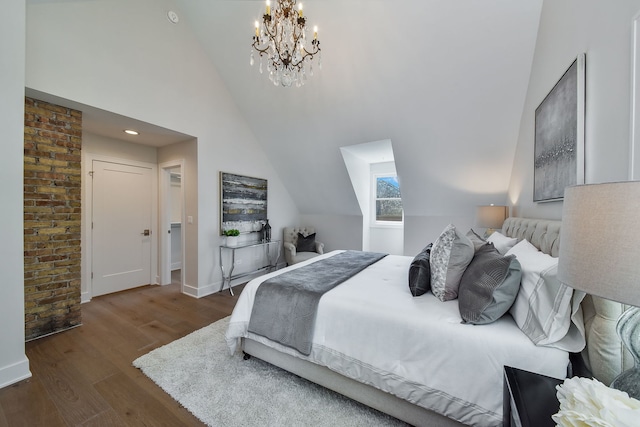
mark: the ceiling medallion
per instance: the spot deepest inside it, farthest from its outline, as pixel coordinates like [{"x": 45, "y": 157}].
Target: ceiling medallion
[{"x": 282, "y": 40}]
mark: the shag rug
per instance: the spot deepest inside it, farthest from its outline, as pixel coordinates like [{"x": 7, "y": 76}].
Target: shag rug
[{"x": 223, "y": 390}]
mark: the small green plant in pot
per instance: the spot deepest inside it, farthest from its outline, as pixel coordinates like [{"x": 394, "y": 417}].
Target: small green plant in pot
[{"x": 232, "y": 236}]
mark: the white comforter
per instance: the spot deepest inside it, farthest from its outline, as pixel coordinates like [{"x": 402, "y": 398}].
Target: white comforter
[{"x": 371, "y": 329}]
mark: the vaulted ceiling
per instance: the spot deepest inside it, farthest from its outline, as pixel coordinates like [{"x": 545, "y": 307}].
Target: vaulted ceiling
[{"x": 444, "y": 80}]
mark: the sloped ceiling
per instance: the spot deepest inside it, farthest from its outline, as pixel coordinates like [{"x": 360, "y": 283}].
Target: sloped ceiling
[{"x": 444, "y": 80}]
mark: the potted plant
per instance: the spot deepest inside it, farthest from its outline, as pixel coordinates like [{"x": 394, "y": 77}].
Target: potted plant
[{"x": 232, "y": 236}]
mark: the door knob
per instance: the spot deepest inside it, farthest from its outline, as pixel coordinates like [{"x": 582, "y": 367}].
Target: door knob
[{"x": 146, "y": 232}]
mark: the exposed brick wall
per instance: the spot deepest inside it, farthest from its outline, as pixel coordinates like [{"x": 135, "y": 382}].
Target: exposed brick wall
[{"x": 52, "y": 142}]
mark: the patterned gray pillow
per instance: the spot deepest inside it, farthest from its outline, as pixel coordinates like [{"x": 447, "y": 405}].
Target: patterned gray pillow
[
  {"x": 489, "y": 286},
  {"x": 450, "y": 255}
]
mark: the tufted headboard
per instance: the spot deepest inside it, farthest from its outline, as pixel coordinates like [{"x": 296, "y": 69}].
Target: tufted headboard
[{"x": 604, "y": 353}]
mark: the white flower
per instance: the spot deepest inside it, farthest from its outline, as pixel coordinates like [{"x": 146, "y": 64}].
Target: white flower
[{"x": 587, "y": 402}]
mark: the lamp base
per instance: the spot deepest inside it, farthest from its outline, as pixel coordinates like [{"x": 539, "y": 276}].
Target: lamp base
[
  {"x": 488, "y": 232},
  {"x": 629, "y": 382},
  {"x": 628, "y": 329}
]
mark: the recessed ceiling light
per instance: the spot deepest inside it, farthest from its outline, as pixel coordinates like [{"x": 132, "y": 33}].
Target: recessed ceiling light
[{"x": 131, "y": 132}]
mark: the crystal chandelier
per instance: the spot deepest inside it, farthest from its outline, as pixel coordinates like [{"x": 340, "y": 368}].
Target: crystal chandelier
[{"x": 282, "y": 39}]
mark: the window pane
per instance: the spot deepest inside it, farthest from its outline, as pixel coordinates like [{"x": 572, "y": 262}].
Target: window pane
[
  {"x": 387, "y": 187},
  {"x": 389, "y": 210}
]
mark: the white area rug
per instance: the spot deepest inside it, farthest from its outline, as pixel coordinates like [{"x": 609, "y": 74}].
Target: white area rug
[{"x": 224, "y": 390}]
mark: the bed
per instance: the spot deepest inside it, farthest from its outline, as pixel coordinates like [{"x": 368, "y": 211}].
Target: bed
[{"x": 411, "y": 357}]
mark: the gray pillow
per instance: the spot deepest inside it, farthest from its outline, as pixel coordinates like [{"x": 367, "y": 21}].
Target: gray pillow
[
  {"x": 420, "y": 273},
  {"x": 489, "y": 286},
  {"x": 450, "y": 255},
  {"x": 475, "y": 239}
]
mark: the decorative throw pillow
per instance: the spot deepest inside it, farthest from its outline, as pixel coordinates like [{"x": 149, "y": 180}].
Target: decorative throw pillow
[
  {"x": 306, "y": 244},
  {"x": 420, "y": 273},
  {"x": 545, "y": 309},
  {"x": 475, "y": 238},
  {"x": 502, "y": 242},
  {"x": 488, "y": 286},
  {"x": 450, "y": 255}
]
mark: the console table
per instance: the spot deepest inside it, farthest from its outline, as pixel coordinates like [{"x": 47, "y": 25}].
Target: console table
[{"x": 272, "y": 254}]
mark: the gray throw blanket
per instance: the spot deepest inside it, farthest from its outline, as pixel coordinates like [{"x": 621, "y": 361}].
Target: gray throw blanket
[{"x": 285, "y": 306}]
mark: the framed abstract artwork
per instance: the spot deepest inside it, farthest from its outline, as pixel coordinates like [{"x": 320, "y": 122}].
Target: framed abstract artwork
[
  {"x": 559, "y": 136},
  {"x": 243, "y": 202},
  {"x": 634, "y": 151}
]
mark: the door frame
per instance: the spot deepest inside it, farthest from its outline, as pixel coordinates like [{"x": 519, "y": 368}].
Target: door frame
[
  {"x": 165, "y": 221},
  {"x": 87, "y": 215}
]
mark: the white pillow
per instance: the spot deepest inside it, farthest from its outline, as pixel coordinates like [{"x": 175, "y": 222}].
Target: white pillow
[
  {"x": 547, "y": 311},
  {"x": 502, "y": 242},
  {"x": 450, "y": 255}
]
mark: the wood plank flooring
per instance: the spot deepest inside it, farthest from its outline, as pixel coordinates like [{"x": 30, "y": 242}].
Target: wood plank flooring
[{"x": 84, "y": 376}]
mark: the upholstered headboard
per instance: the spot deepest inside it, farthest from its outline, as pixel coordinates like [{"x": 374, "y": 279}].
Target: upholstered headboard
[{"x": 605, "y": 355}]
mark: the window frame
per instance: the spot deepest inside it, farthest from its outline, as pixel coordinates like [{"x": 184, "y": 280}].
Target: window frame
[{"x": 374, "y": 198}]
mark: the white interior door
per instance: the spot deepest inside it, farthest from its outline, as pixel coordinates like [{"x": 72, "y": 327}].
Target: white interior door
[{"x": 121, "y": 235}]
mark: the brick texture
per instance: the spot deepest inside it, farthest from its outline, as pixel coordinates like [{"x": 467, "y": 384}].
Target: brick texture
[{"x": 52, "y": 143}]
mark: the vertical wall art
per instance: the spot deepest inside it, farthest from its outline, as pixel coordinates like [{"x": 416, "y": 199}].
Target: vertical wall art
[
  {"x": 243, "y": 202},
  {"x": 559, "y": 136}
]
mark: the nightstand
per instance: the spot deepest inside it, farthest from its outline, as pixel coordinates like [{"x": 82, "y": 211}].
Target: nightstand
[{"x": 529, "y": 399}]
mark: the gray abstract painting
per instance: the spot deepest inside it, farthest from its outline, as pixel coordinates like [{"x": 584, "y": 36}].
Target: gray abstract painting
[
  {"x": 243, "y": 199},
  {"x": 557, "y": 138}
]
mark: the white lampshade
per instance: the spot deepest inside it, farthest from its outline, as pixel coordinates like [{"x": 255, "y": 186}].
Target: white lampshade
[
  {"x": 491, "y": 216},
  {"x": 600, "y": 240}
]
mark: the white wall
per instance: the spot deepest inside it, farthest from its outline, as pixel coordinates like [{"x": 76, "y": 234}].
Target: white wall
[
  {"x": 602, "y": 30},
  {"x": 127, "y": 58},
  {"x": 387, "y": 240},
  {"x": 117, "y": 149},
  {"x": 14, "y": 365},
  {"x": 359, "y": 174},
  {"x": 335, "y": 231}
]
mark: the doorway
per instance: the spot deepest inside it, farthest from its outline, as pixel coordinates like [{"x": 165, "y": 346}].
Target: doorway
[{"x": 172, "y": 222}]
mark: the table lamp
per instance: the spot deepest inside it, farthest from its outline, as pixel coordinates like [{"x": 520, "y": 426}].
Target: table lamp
[
  {"x": 600, "y": 255},
  {"x": 491, "y": 217}
]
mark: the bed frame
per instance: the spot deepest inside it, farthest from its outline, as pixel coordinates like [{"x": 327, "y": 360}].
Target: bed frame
[{"x": 604, "y": 354}]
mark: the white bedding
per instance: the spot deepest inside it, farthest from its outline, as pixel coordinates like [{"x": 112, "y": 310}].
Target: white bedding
[{"x": 371, "y": 329}]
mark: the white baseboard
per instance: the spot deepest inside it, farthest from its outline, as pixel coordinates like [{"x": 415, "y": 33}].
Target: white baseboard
[
  {"x": 214, "y": 287},
  {"x": 196, "y": 292},
  {"x": 85, "y": 297},
  {"x": 15, "y": 372}
]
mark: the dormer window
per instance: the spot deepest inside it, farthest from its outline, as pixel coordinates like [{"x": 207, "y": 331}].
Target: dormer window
[{"x": 387, "y": 200}]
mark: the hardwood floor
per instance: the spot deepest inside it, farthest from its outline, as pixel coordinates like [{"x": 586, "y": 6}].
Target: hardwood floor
[{"x": 84, "y": 376}]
